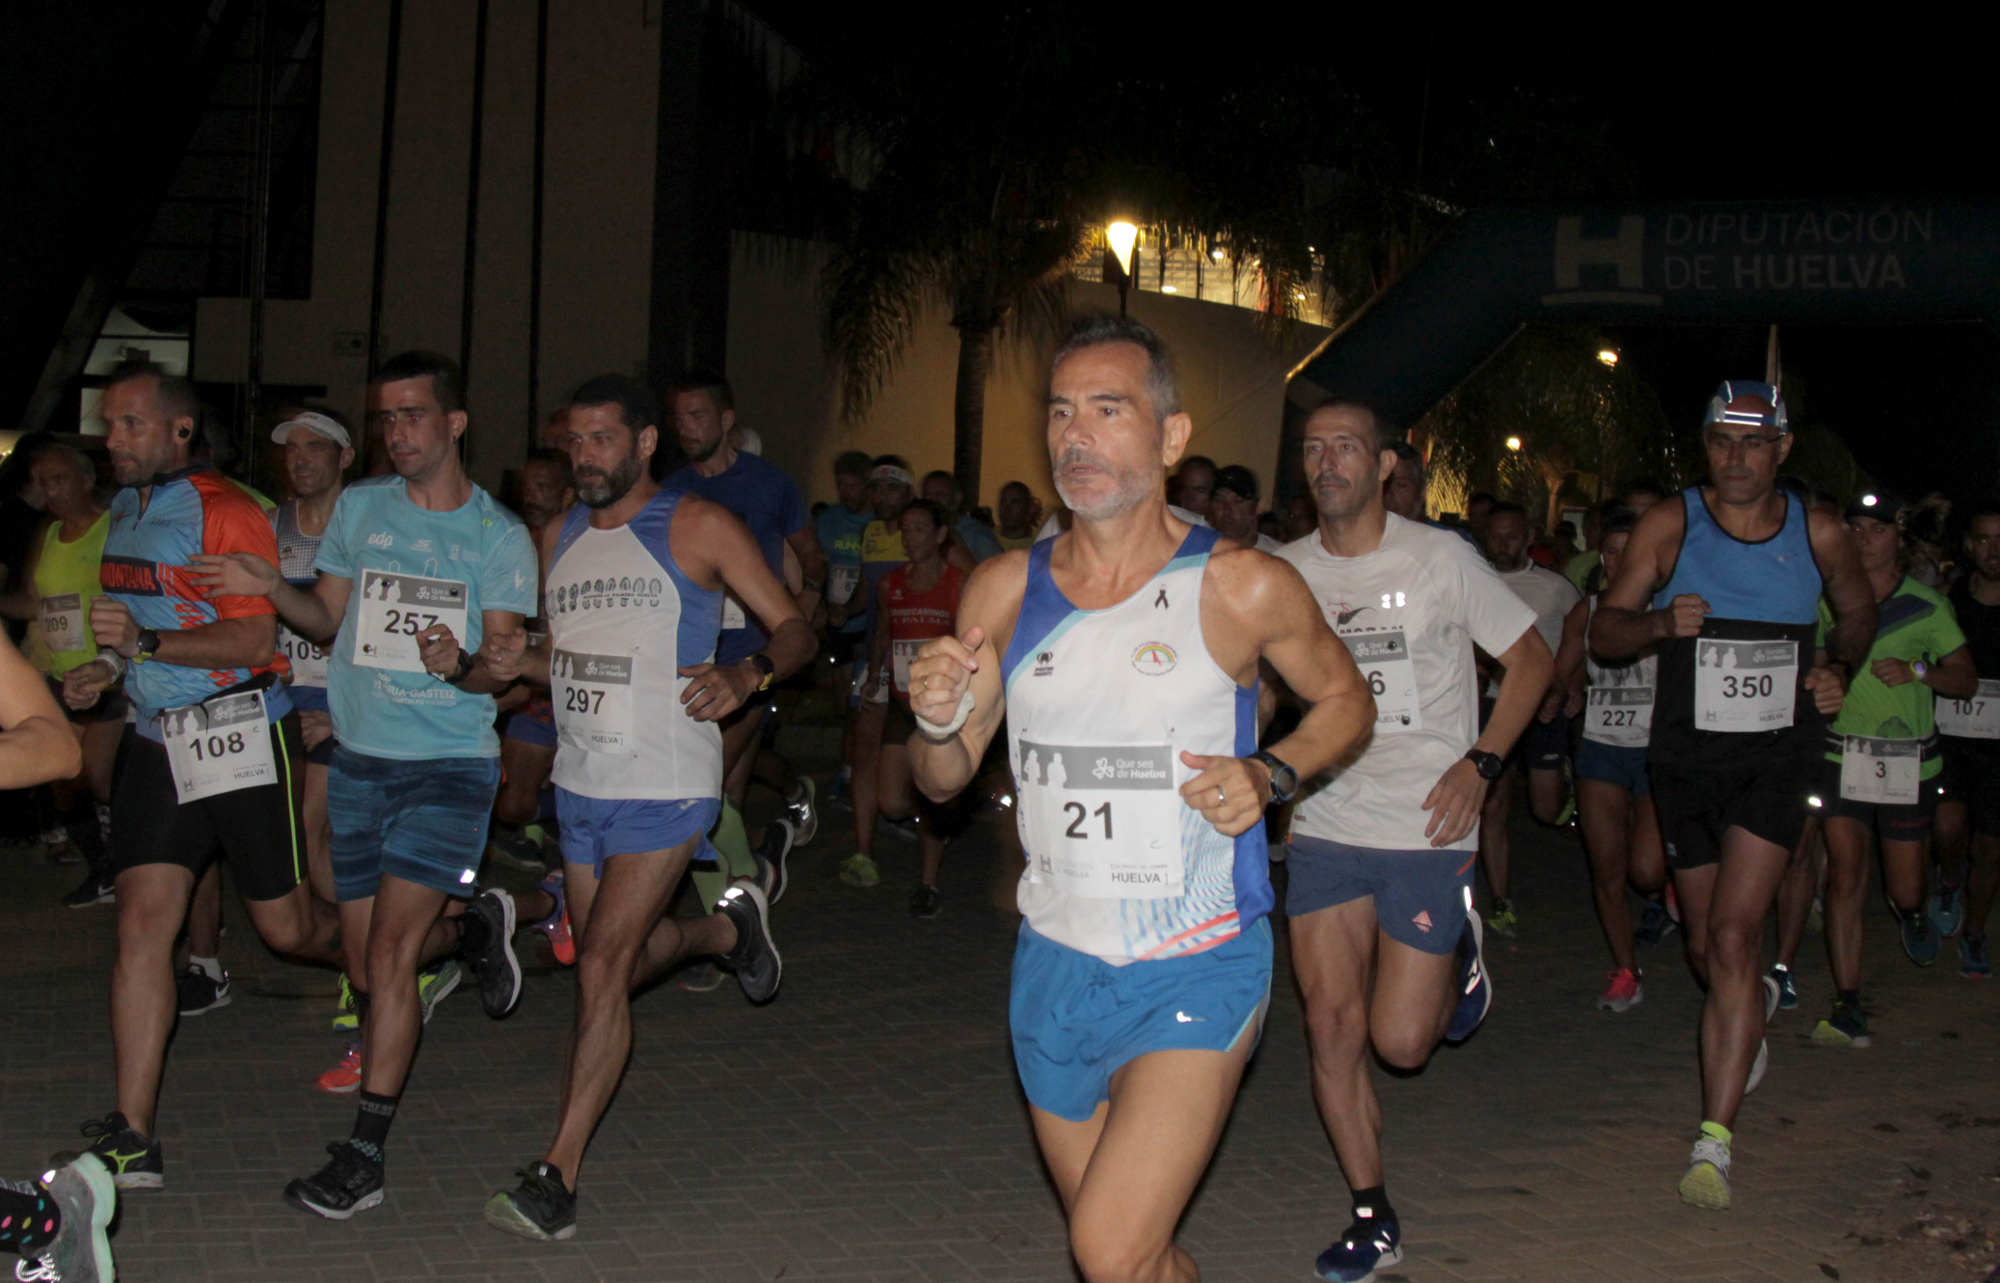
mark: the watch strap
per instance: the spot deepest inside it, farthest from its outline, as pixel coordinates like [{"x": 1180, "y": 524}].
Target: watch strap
[{"x": 1278, "y": 768}]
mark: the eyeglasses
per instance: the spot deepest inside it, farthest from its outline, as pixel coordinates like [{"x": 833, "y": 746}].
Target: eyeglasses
[{"x": 1723, "y": 442}]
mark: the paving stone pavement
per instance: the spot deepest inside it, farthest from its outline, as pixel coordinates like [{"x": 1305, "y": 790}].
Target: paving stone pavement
[{"x": 867, "y": 1124}]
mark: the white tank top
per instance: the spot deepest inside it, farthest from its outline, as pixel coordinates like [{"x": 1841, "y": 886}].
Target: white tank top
[
  {"x": 622, "y": 621},
  {"x": 1618, "y": 707},
  {"x": 1100, "y": 705}
]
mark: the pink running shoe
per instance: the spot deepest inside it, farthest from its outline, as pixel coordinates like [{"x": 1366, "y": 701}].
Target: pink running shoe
[
  {"x": 344, "y": 1077},
  {"x": 1623, "y": 993},
  {"x": 556, "y": 925}
]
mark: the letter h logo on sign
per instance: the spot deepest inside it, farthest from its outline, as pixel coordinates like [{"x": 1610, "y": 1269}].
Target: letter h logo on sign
[{"x": 1623, "y": 253}]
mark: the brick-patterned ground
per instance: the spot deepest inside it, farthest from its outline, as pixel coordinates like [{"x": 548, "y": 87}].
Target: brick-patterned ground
[{"x": 867, "y": 1124}]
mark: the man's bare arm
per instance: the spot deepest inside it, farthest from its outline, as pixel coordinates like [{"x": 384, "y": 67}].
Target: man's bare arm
[
  {"x": 948, "y": 667},
  {"x": 1847, "y": 587},
  {"x": 1624, "y": 624},
  {"x": 36, "y": 743}
]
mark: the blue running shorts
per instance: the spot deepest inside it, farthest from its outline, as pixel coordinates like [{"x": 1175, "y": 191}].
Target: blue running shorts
[
  {"x": 1077, "y": 1019},
  {"x": 594, "y": 829},
  {"x": 1613, "y": 764},
  {"x": 1420, "y": 896},
  {"x": 533, "y": 723},
  {"x": 423, "y": 822}
]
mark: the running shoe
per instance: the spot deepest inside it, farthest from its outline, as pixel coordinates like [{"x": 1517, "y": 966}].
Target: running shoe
[
  {"x": 779, "y": 839},
  {"x": 1774, "y": 995},
  {"x": 80, "y": 1251},
  {"x": 344, "y": 1077},
  {"x": 858, "y": 870},
  {"x": 1654, "y": 923},
  {"x": 1475, "y": 987},
  {"x": 1673, "y": 903},
  {"x": 1707, "y": 1181},
  {"x": 1502, "y": 921},
  {"x": 96, "y": 888},
  {"x": 1568, "y": 812},
  {"x": 556, "y": 925},
  {"x": 1623, "y": 993},
  {"x": 905, "y": 828},
  {"x": 1946, "y": 908},
  {"x": 926, "y": 903},
  {"x": 1760, "y": 1063},
  {"x": 1920, "y": 938},
  {"x": 519, "y": 852},
  {"x": 754, "y": 958},
  {"x": 803, "y": 812},
  {"x": 346, "y": 1016},
  {"x": 196, "y": 991},
  {"x": 133, "y": 1161},
  {"x": 1846, "y": 1027},
  {"x": 542, "y": 1208},
  {"x": 491, "y": 952},
  {"x": 699, "y": 977},
  {"x": 1816, "y": 917},
  {"x": 435, "y": 983},
  {"x": 350, "y": 1182},
  {"x": 1360, "y": 1251},
  {"x": 57, "y": 847},
  {"x": 1788, "y": 992},
  {"x": 1973, "y": 963}
]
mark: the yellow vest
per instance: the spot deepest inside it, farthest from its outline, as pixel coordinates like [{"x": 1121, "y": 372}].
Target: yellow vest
[{"x": 65, "y": 581}]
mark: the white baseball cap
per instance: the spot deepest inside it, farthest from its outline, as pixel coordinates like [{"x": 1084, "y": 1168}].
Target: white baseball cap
[{"x": 313, "y": 421}]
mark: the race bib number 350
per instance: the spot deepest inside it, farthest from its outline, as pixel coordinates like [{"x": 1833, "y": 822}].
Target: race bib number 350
[
  {"x": 219, "y": 746},
  {"x": 1977, "y": 718},
  {"x": 395, "y": 607},
  {"x": 1744, "y": 686},
  {"x": 1102, "y": 821}
]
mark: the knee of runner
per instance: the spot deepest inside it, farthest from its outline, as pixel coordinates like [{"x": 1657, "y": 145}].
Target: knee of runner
[
  {"x": 1337, "y": 1030},
  {"x": 1109, "y": 1248},
  {"x": 1405, "y": 1048},
  {"x": 1736, "y": 946}
]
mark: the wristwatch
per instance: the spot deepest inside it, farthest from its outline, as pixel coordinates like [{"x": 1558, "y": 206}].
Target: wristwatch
[
  {"x": 463, "y": 668},
  {"x": 1284, "y": 780},
  {"x": 149, "y": 644},
  {"x": 762, "y": 663},
  {"x": 1919, "y": 667},
  {"x": 1489, "y": 765}
]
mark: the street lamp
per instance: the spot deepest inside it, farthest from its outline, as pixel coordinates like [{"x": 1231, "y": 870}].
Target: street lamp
[
  {"x": 1513, "y": 443},
  {"x": 1123, "y": 238},
  {"x": 1608, "y": 355}
]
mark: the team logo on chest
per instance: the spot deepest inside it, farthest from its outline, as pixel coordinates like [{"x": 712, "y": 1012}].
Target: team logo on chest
[
  {"x": 1154, "y": 659},
  {"x": 600, "y": 594},
  {"x": 1045, "y": 663}
]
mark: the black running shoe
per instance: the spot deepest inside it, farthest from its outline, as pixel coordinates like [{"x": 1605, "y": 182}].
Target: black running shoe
[
  {"x": 133, "y": 1161},
  {"x": 754, "y": 959},
  {"x": 925, "y": 903},
  {"x": 542, "y": 1208},
  {"x": 96, "y": 888},
  {"x": 770, "y": 856},
  {"x": 491, "y": 955},
  {"x": 350, "y": 1182},
  {"x": 197, "y": 991}
]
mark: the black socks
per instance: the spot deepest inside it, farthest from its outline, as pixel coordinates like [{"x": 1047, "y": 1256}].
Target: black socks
[
  {"x": 29, "y": 1218},
  {"x": 371, "y": 1123},
  {"x": 1371, "y": 1206}
]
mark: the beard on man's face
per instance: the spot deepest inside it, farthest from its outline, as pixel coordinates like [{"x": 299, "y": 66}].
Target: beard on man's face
[{"x": 600, "y": 490}]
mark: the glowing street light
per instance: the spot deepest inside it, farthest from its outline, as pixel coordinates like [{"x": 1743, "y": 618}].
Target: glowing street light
[
  {"x": 1513, "y": 443},
  {"x": 1123, "y": 237},
  {"x": 1869, "y": 501},
  {"x": 1608, "y": 355}
]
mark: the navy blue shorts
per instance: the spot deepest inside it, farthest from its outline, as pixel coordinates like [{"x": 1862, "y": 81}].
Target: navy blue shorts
[
  {"x": 594, "y": 829},
  {"x": 1077, "y": 1020},
  {"x": 534, "y": 723},
  {"x": 423, "y": 822},
  {"x": 1615, "y": 764},
  {"x": 1421, "y": 897},
  {"x": 1542, "y": 747},
  {"x": 1972, "y": 777}
]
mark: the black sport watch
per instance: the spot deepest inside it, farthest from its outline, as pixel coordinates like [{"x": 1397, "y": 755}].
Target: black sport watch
[
  {"x": 764, "y": 665},
  {"x": 1284, "y": 780},
  {"x": 148, "y": 642},
  {"x": 1489, "y": 765}
]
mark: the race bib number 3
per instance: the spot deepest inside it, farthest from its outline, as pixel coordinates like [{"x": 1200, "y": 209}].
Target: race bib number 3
[
  {"x": 396, "y": 607},
  {"x": 1977, "y": 718},
  {"x": 1384, "y": 661},
  {"x": 1744, "y": 686},
  {"x": 219, "y": 746},
  {"x": 592, "y": 695},
  {"x": 62, "y": 622},
  {"x": 1102, "y": 821},
  {"x": 1880, "y": 771}
]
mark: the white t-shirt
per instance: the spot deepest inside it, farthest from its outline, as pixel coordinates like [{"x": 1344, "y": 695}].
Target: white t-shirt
[
  {"x": 1546, "y": 593},
  {"x": 1410, "y": 613}
]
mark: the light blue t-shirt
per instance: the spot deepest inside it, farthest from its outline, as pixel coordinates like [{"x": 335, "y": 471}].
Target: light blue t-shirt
[
  {"x": 839, "y": 533},
  {"x": 383, "y": 712}
]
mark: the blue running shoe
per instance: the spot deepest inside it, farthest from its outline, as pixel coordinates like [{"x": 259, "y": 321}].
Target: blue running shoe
[
  {"x": 1358, "y": 1253},
  {"x": 1946, "y": 908},
  {"x": 1788, "y": 992},
  {"x": 1920, "y": 938},
  {"x": 1475, "y": 987},
  {"x": 1973, "y": 962}
]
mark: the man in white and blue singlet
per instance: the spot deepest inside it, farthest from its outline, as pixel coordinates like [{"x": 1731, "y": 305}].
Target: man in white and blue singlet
[
  {"x": 635, "y": 580},
  {"x": 1123, "y": 655}
]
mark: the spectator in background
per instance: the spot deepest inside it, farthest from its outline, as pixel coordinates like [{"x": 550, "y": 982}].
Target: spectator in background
[
  {"x": 547, "y": 490},
  {"x": 1233, "y": 508},
  {"x": 1477, "y": 509},
  {"x": 1640, "y": 494},
  {"x": 1194, "y": 485},
  {"x": 1301, "y": 517},
  {"x": 942, "y": 489},
  {"x": 1403, "y": 493},
  {"x": 1271, "y": 526},
  {"x": 1019, "y": 513}
]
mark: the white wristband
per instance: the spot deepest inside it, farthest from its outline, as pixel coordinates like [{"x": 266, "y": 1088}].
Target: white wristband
[
  {"x": 113, "y": 658},
  {"x": 950, "y": 728}
]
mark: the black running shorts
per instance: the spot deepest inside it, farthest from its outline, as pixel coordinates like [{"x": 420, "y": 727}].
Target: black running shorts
[
  {"x": 1697, "y": 807},
  {"x": 256, "y": 830},
  {"x": 1972, "y": 776}
]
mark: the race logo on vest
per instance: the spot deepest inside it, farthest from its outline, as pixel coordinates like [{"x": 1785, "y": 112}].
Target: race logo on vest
[{"x": 1154, "y": 659}]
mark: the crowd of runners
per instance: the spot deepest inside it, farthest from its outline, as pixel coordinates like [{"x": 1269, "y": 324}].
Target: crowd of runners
[{"x": 382, "y": 698}]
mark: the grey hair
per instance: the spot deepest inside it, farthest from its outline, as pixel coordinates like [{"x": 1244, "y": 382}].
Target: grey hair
[{"x": 1163, "y": 380}]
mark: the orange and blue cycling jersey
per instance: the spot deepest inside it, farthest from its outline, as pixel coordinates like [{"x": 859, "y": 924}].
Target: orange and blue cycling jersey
[{"x": 148, "y": 568}]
